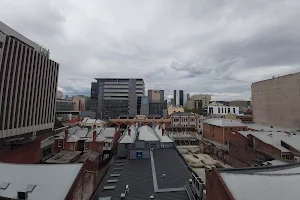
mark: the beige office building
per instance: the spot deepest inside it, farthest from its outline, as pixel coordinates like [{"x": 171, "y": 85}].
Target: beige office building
[
  {"x": 28, "y": 82},
  {"x": 198, "y": 101},
  {"x": 276, "y": 101}
]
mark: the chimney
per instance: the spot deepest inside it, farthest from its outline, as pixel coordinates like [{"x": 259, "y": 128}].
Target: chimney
[
  {"x": 129, "y": 131},
  {"x": 163, "y": 131},
  {"x": 94, "y": 136},
  {"x": 66, "y": 134}
]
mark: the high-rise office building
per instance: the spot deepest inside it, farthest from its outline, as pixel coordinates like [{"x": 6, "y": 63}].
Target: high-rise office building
[
  {"x": 179, "y": 98},
  {"x": 157, "y": 103},
  {"x": 114, "y": 97},
  {"x": 28, "y": 82}
]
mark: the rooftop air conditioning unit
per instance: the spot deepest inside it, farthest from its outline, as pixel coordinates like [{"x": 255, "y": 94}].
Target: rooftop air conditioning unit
[
  {"x": 22, "y": 195},
  {"x": 162, "y": 146},
  {"x": 296, "y": 158}
]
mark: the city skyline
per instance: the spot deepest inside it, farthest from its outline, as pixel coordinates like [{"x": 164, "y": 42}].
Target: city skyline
[{"x": 192, "y": 49}]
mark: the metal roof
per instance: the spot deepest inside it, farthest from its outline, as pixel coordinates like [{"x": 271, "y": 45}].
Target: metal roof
[
  {"x": 138, "y": 175},
  {"x": 126, "y": 139},
  {"x": 48, "y": 182},
  {"x": 275, "y": 138},
  {"x": 146, "y": 133},
  {"x": 163, "y": 138},
  {"x": 277, "y": 182},
  {"x": 224, "y": 122}
]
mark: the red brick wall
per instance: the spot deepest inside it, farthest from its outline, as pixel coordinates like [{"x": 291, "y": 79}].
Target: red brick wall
[
  {"x": 266, "y": 147},
  {"x": 243, "y": 153},
  {"x": 28, "y": 154},
  {"x": 56, "y": 148},
  {"x": 85, "y": 183},
  {"x": 238, "y": 139},
  {"x": 95, "y": 146},
  {"x": 215, "y": 186},
  {"x": 215, "y": 133},
  {"x": 68, "y": 145}
]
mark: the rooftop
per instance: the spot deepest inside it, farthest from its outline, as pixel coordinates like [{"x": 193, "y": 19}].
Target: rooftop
[
  {"x": 64, "y": 157},
  {"x": 224, "y": 122},
  {"x": 143, "y": 179},
  {"x": 261, "y": 127},
  {"x": 182, "y": 114},
  {"x": 274, "y": 182},
  {"x": 126, "y": 138},
  {"x": 163, "y": 138},
  {"x": 146, "y": 133},
  {"x": 275, "y": 138},
  {"x": 47, "y": 182}
]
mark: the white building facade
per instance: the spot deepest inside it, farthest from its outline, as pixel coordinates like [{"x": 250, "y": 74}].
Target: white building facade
[{"x": 223, "y": 110}]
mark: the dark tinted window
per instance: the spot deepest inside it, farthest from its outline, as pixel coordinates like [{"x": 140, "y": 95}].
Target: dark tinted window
[{"x": 1, "y": 45}]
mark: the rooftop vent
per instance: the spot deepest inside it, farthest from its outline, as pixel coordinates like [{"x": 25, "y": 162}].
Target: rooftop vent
[
  {"x": 126, "y": 189},
  {"x": 112, "y": 181},
  {"x": 115, "y": 175},
  {"x": 22, "y": 195},
  {"x": 4, "y": 185},
  {"x": 109, "y": 187},
  {"x": 123, "y": 195},
  {"x": 30, "y": 188}
]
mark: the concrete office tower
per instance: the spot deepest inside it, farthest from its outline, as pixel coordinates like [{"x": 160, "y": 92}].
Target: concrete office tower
[
  {"x": 178, "y": 98},
  {"x": 157, "y": 103},
  {"x": 276, "y": 101},
  {"x": 115, "y": 96},
  {"x": 28, "y": 82},
  {"x": 156, "y": 95}
]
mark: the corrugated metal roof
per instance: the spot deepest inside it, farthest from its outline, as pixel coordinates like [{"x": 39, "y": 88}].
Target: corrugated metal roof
[
  {"x": 224, "y": 122},
  {"x": 147, "y": 134},
  {"x": 126, "y": 139},
  {"x": 163, "y": 138},
  {"x": 52, "y": 181},
  {"x": 278, "y": 182}
]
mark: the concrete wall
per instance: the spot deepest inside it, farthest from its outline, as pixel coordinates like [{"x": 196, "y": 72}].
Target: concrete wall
[
  {"x": 132, "y": 98},
  {"x": 277, "y": 101},
  {"x": 28, "y": 83}
]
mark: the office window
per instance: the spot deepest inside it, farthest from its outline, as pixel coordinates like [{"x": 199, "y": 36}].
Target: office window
[
  {"x": 219, "y": 110},
  {"x": 1, "y": 45},
  {"x": 228, "y": 110},
  {"x": 233, "y": 110},
  {"x": 59, "y": 143},
  {"x": 153, "y": 145},
  {"x": 71, "y": 146},
  {"x": 213, "y": 135},
  {"x": 86, "y": 146},
  {"x": 126, "y": 146},
  {"x": 222, "y": 110}
]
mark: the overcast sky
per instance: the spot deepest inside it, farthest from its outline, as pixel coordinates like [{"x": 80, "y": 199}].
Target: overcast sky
[{"x": 217, "y": 47}]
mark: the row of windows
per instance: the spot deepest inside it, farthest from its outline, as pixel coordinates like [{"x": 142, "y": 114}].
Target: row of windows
[
  {"x": 28, "y": 77},
  {"x": 226, "y": 109}
]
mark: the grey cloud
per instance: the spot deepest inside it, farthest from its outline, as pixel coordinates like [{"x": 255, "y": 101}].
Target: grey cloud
[{"x": 216, "y": 47}]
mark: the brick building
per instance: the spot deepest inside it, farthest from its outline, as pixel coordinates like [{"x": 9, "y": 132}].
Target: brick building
[
  {"x": 219, "y": 130},
  {"x": 184, "y": 119},
  {"x": 271, "y": 182},
  {"x": 278, "y": 144}
]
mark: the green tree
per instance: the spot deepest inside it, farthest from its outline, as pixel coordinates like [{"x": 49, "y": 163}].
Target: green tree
[{"x": 197, "y": 111}]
